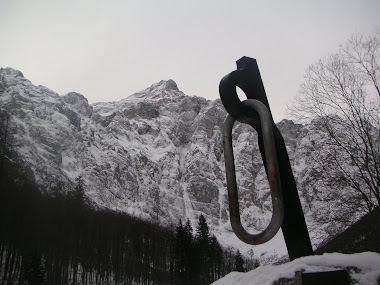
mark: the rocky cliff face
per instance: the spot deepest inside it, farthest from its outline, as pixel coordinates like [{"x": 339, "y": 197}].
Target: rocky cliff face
[{"x": 156, "y": 154}]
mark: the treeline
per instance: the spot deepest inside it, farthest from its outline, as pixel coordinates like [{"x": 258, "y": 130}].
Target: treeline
[
  {"x": 200, "y": 259},
  {"x": 61, "y": 239}
]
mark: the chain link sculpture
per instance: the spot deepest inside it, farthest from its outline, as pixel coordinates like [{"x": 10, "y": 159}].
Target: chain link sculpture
[{"x": 287, "y": 210}]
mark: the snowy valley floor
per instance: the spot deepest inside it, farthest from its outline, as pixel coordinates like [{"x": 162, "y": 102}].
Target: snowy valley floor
[{"x": 363, "y": 268}]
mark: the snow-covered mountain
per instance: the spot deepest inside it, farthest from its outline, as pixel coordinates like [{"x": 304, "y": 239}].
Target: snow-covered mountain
[{"x": 156, "y": 154}]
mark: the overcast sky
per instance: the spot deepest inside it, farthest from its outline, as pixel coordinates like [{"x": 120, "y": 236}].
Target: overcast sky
[{"x": 107, "y": 50}]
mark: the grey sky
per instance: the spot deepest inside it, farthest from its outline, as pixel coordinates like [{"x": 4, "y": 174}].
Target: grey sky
[{"x": 107, "y": 50}]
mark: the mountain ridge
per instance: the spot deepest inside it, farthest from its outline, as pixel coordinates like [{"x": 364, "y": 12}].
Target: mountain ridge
[{"x": 156, "y": 154}]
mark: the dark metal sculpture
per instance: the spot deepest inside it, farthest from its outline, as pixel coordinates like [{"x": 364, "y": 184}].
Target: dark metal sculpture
[
  {"x": 273, "y": 176},
  {"x": 256, "y": 112},
  {"x": 287, "y": 210}
]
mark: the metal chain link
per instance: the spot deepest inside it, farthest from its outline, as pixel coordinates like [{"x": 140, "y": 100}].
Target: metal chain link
[{"x": 265, "y": 118}]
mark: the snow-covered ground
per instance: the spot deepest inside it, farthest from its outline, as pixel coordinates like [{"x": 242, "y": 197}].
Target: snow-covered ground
[{"x": 363, "y": 268}]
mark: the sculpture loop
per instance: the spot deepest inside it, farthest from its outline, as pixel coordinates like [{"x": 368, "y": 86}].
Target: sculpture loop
[{"x": 266, "y": 124}]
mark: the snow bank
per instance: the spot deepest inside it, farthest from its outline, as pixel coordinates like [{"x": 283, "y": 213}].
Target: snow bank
[{"x": 364, "y": 268}]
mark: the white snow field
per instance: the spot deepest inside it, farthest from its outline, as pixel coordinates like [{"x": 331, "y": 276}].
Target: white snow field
[{"x": 363, "y": 268}]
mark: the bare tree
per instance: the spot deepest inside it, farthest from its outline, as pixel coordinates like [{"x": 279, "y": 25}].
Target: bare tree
[{"x": 341, "y": 93}]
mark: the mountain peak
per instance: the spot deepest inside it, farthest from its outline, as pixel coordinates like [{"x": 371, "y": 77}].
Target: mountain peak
[
  {"x": 11, "y": 72},
  {"x": 10, "y": 76},
  {"x": 159, "y": 90},
  {"x": 163, "y": 85}
]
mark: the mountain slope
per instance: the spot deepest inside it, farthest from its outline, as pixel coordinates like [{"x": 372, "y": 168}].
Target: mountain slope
[{"x": 156, "y": 155}]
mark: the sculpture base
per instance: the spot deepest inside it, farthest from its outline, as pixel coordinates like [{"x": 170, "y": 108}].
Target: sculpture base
[{"x": 326, "y": 278}]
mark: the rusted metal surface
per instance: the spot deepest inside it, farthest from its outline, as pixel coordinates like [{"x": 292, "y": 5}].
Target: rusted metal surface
[
  {"x": 273, "y": 176},
  {"x": 247, "y": 77}
]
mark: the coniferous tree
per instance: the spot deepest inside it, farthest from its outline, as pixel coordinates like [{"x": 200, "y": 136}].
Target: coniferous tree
[
  {"x": 188, "y": 240},
  {"x": 202, "y": 243},
  {"x": 239, "y": 262},
  {"x": 216, "y": 258},
  {"x": 78, "y": 195},
  {"x": 203, "y": 232},
  {"x": 184, "y": 246},
  {"x": 178, "y": 248}
]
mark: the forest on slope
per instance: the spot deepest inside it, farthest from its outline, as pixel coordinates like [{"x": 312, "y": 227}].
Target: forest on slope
[{"x": 63, "y": 239}]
